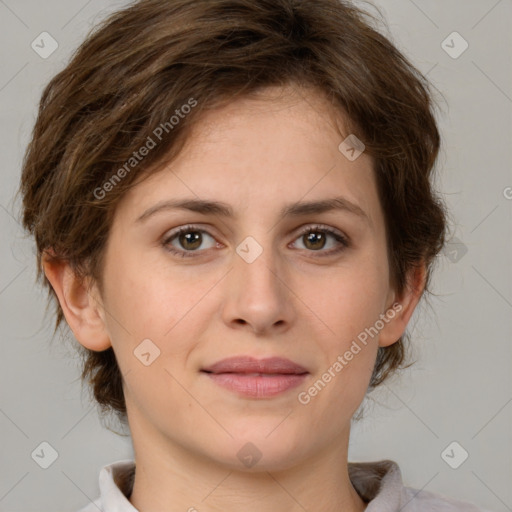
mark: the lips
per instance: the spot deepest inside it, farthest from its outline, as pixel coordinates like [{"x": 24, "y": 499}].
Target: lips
[
  {"x": 253, "y": 378},
  {"x": 250, "y": 365}
]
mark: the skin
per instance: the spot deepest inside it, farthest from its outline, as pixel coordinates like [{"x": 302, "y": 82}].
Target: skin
[{"x": 257, "y": 155}]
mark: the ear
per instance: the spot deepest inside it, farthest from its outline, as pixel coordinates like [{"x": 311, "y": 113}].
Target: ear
[
  {"x": 403, "y": 306},
  {"x": 82, "y": 308}
]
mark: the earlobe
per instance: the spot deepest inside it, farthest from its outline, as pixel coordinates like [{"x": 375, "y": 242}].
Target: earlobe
[
  {"x": 400, "y": 311},
  {"x": 82, "y": 308}
]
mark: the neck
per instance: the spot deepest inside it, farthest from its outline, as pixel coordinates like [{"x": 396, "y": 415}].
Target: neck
[{"x": 172, "y": 478}]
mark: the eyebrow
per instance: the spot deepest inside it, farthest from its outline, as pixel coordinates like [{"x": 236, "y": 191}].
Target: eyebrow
[{"x": 292, "y": 210}]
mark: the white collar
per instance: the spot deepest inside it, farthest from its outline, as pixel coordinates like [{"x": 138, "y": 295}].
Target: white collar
[{"x": 379, "y": 483}]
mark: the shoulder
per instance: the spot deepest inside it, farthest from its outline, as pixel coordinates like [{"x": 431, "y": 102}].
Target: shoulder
[
  {"x": 424, "y": 501},
  {"x": 380, "y": 484},
  {"x": 115, "y": 483},
  {"x": 93, "y": 506}
]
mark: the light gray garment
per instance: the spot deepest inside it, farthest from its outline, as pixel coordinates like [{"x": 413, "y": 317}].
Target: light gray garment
[{"x": 379, "y": 483}]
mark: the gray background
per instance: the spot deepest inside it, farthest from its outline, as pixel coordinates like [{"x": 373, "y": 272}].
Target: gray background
[{"x": 460, "y": 388}]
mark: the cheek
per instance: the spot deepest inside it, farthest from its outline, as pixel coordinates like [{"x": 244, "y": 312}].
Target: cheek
[
  {"x": 348, "y": 300},
  {"x": 142, "y": 304},
  {"x": 347, "y": 304},
  {"x": 145, "y": 302}
]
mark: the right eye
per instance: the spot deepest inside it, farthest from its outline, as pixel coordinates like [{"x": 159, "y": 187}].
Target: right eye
[{"x": 189, "y": 237}]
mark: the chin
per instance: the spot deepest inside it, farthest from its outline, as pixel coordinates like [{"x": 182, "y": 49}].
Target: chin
[{"x": 261, "y": 447}]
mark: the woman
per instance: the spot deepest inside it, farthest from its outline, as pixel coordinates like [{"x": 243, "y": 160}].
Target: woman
[{"x": 234, "y": 214}]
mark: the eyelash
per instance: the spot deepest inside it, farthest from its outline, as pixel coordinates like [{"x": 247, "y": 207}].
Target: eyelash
[{"x": 342, "y": 240}]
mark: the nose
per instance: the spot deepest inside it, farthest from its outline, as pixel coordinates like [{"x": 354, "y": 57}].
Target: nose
[{"x": 259, "y": 294}]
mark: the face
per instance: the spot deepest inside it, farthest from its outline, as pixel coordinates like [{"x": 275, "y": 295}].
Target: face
[{"x": 301, "y": 286}]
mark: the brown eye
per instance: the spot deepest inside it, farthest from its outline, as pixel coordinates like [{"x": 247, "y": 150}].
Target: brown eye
[
  {"x": 187, "y": 241},
  {"x": 190, "y": 240},
  {"x": 315, "y": 239}
]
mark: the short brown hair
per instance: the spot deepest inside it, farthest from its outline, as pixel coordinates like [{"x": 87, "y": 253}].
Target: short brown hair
[{"x": 143, "y": 63}]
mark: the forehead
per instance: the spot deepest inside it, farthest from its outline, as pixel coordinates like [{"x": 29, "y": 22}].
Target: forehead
[
  {"x": 278, "y": 146},
  {"x": 294, "y": 108}
]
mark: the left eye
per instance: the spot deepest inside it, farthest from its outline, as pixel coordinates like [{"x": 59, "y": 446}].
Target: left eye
[{"x": 315, "y": 238}]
